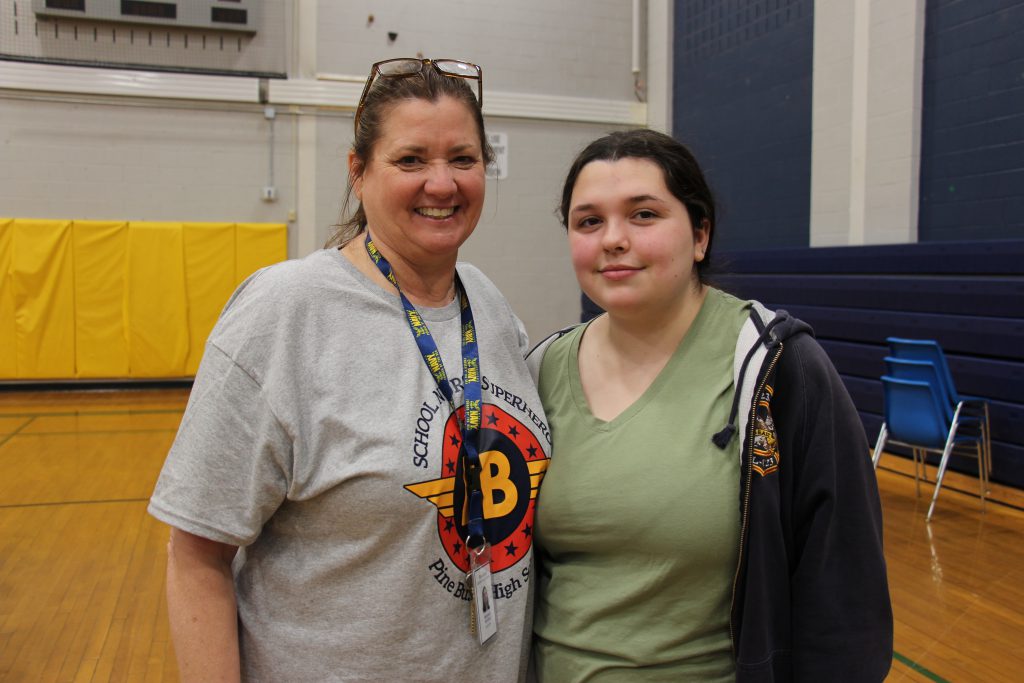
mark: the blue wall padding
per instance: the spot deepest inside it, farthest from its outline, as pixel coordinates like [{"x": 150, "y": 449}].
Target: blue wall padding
[
  {"x": 742, "y": 102},
  {"x": 972, "y": 122},
  {"x": 968, "y": 296}
]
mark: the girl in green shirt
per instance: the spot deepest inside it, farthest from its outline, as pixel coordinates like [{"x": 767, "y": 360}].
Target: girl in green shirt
[{"x": 649, "y": 526}]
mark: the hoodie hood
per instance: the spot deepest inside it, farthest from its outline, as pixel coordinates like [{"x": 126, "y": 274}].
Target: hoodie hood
[
  {"x": 781, "y": 324},
  {"x": 762, "y": 334}
]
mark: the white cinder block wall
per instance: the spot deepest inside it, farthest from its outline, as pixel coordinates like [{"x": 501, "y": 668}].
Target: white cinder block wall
[
  {"x": 573, "y": 49},
  {"x": 866, "y": 150},
  {"x": 101, "y": 158},
  {"x": 556, "y": 75}
]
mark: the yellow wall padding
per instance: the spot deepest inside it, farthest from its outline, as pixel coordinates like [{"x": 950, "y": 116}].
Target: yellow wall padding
[
  {"x": 258, "y": 245},
  {"x": 209, "y": 281},
  {"x": 8, "y": 342},
  {"x": 101, "y": 341},
  {"x": 43, "y": 283},
  {"x": 111, "y": 299},
  {"x": 155, "y": 300}
]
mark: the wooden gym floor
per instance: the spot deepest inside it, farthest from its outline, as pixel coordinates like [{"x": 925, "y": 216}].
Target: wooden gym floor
[{"x": 81, "y": 563}]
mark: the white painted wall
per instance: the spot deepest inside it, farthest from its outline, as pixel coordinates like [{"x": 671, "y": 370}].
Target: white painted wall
[
  {"x": 657, "y": 80},
  {"x": 81, "y": 143},
  {"x": 893, "y": 146},
  {"x": 98, "y": 158},
  {"x": 866, "y": 116},
  {"x": 576, "y": 48}
]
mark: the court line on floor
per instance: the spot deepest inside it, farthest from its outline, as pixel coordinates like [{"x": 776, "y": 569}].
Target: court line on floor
[
  {"x": 88, "y": 414},
  {"x": 15, "y": 432},
  {"x": 906, "y": 661},
  {"x": 89, "y": 432},
  {"x": 72, "y": 502}
]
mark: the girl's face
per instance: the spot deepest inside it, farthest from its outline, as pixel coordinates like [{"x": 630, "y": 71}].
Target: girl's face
[
  {"x": 423, "y": 186},
  {"x": 632, "y": 243}
]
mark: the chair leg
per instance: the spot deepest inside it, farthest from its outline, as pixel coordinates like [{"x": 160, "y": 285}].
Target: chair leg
[
  {"x": 916, "y": 455},
  {"x": 988, "y": 447},
  {"x": 986, "y": 437},
  {"x": 942, "y": 471},
  {"x": 982, "y": 477},
  {"x": 883, "y": 434}
]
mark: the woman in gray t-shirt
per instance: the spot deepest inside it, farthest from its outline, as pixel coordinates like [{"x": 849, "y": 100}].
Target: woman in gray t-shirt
[{"x": 360, "y": 417}]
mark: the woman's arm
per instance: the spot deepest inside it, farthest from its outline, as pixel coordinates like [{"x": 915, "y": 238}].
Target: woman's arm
[
  {"x": 841, "y": 613},
  {"x": 201, "y": 607}
]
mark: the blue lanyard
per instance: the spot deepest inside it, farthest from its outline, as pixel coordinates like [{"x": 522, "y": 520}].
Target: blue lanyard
[{"x": 471, "y": 388}]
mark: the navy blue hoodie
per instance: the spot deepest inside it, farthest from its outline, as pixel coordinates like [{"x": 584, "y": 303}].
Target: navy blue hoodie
[{"x": 811, "y": 598}]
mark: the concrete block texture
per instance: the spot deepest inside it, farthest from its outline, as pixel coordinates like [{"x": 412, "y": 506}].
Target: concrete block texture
[
  {"x": 972, "y": 138},
  {"x": 873, "y": 67}
]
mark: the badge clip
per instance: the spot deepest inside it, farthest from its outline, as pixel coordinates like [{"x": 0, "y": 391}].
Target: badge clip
[{"x": 484, "y": 618}]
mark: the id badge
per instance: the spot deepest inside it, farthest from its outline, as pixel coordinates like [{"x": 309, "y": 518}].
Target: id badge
[{"x": 485, "y": 619}]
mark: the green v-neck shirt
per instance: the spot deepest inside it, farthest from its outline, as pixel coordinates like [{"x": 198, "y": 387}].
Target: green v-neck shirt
[{"x": 638, "y": 519}]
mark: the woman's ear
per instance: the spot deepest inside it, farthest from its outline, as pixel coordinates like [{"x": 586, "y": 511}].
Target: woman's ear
[
  {"x": 701, "y": 238},
  {"x": 355, "y": 174}
]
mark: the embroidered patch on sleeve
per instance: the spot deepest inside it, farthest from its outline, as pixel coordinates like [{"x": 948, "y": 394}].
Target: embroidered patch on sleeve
[{"x": 765, "y": 458}]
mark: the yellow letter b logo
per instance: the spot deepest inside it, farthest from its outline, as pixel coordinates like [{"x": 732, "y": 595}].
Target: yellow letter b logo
[{"x": 495, "y": 478}]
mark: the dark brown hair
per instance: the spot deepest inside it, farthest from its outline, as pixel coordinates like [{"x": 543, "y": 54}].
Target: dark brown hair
[{"x": 683, "y": 176}]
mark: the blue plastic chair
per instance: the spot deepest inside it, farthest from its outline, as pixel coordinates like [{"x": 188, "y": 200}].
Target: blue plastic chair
[
  {"x": 970, "y": 406},
  {"x": 925, "y": 371},
  {"x": 915, "y": 418}
]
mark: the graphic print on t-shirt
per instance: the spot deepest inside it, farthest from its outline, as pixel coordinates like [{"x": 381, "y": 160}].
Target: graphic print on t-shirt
[{"x": 513, "y": 465}]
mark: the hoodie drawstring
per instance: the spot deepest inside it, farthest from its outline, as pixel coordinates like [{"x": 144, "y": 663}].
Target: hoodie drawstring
[{"x": 722, "y": 437}]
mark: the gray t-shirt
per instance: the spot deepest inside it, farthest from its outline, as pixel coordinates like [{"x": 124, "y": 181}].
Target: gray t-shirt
[{"x": 316, "y": 439}]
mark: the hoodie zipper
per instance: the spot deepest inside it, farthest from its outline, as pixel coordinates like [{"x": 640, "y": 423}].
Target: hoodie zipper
[{"x": 745, "y": 519}]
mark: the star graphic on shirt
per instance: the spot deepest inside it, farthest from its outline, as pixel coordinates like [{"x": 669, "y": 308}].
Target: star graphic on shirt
[{"x": 511, "y": 454}]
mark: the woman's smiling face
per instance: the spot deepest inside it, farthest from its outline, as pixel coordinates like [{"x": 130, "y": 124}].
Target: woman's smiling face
[{"x": 423, "y": 186}]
